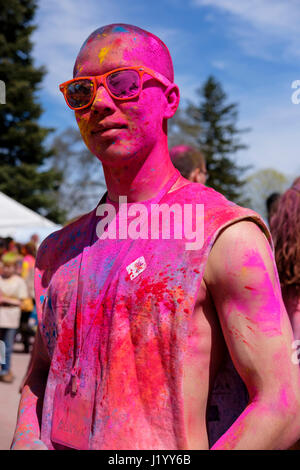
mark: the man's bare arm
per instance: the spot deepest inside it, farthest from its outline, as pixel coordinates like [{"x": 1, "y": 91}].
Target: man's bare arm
[
  {"x": 242, "y": 278},
  {"x": 27, "y": 433}
]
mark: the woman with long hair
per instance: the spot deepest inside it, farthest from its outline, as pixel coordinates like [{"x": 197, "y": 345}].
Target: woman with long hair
[{"x": 285, "y": 229}]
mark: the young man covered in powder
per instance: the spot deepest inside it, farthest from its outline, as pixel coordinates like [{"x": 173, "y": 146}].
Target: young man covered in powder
[{"x": 132, "y": 332}]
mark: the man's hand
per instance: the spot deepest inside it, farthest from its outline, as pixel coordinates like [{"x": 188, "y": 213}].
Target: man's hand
[{"x": 242, "y": 279}]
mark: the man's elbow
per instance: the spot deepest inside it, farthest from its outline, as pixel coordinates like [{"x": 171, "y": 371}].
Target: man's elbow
[{"x": 287, "y": 412}]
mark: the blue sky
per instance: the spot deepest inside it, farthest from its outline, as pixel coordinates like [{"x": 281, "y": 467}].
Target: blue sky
[{"x": 251, "y": 46}]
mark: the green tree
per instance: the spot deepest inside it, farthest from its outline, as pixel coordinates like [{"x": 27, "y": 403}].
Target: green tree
[
  {"x": 210, "y": 125},
  {"x": 261, "y": 184},
  {"x": 23, "y": 154}
]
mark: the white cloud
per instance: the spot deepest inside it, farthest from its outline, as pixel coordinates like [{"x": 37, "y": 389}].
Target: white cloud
[
  {"x": 218, "y": 64},
  {"x": 261, "y": 24}
]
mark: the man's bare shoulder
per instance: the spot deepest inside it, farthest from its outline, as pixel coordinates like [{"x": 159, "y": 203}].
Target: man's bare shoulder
[
  {"x": 234, "y": 245},
  {"x": 69, "y": 237}
]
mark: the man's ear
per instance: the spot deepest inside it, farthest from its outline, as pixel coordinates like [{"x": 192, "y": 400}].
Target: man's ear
[
  {"x": 196, "y": 176},
  {"x": 173, "y": 97}
]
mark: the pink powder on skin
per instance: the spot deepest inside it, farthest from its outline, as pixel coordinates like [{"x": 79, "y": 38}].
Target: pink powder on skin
[
  {"x": 144, "y": 119},
  {"x": 265, "y": 308}
]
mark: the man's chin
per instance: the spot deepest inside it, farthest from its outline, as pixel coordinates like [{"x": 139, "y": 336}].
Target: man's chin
[{"x": 116, "y": 157}]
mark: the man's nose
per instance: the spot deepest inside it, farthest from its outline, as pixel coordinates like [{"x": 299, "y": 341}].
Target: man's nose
[{"x": 103, "y": 102}]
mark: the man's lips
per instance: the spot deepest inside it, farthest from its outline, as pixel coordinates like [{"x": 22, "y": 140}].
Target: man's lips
[{"x": 112, "y": 126}]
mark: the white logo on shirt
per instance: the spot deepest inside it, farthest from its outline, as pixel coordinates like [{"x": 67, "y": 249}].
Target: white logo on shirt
[{"x": 137, "y": 267}]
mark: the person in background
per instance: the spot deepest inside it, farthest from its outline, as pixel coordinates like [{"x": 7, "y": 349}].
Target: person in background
[
  {"x": 285, "y": 230},
  {"x": 2, "y": 246},
  {"x": 13, "y": 291},
  {"x": 27, "y": 273},
  {"x": 12, "y": 251},
  {"x": 271, "y": 205},
  {"x": 35, "y": 239},
  {"x": 190, "y": 162},
  {"x": 29, "y": 251}
]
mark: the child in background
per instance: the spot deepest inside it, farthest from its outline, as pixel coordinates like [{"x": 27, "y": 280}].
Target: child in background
[
  {"x": 13, "y": 290},
  {"x": 27, "y": 273}
]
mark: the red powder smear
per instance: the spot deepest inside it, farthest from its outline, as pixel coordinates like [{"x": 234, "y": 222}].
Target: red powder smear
[
  {"x": 66, "y": 341},
  {"x": 250, "y": 288},
  {"x": 196, "y": 271},
  {"x": 235, "y": 332},
  {"x": 170, "y": 306},
  {"x": 156, "y": 288}
]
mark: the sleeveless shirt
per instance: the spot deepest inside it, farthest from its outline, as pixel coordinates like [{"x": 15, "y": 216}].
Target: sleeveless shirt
[{"x": 134, "y": 339}]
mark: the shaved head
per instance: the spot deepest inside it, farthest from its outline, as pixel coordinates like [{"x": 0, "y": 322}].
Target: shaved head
[
  {"x": 140, "y": 123},
  {"x": 153, "y": 51}
]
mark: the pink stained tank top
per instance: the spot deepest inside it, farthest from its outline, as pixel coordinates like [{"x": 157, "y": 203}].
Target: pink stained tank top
[{"x": 134, "y": 353}]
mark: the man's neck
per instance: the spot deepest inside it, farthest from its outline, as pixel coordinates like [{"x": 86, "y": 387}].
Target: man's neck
[{"x": 140, "y": 181}]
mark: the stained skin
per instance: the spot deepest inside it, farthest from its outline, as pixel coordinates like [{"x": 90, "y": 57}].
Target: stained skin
[
  {"x": 135, "y": 159},
  {"x": 128, "y": 158}
]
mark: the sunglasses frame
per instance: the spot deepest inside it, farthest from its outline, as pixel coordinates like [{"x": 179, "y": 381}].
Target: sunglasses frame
[{"x": 101, "y": 80}]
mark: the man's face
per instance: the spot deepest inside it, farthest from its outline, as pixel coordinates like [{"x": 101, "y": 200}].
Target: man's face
[{"x": 141, "y": 118}]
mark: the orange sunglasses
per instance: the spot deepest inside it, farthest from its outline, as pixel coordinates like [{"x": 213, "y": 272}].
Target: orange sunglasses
[{"x": 122, "y": 84}]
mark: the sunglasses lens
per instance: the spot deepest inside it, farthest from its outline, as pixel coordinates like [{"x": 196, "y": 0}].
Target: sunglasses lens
[
  {"x": 124, "y": 84},
  {"x": 79, "y": 93}
]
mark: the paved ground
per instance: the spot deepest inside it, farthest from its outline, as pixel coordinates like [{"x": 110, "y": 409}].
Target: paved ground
[{"x": 9, "y": 398}]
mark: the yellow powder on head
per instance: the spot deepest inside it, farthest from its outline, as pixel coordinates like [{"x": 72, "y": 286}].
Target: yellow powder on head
[{"x": 102, "y": 54}]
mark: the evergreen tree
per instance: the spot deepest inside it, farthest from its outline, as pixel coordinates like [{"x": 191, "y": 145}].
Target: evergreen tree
[
  {"x": 211, "y": 127},
  {"x": 23, "y": 153}
]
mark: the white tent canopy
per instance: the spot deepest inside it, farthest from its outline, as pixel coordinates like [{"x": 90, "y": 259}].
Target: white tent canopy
[{"x": 19, "y": 222}]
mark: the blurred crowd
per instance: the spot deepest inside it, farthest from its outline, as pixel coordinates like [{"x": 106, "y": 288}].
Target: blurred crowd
[{"x": 17, "y": 304}]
